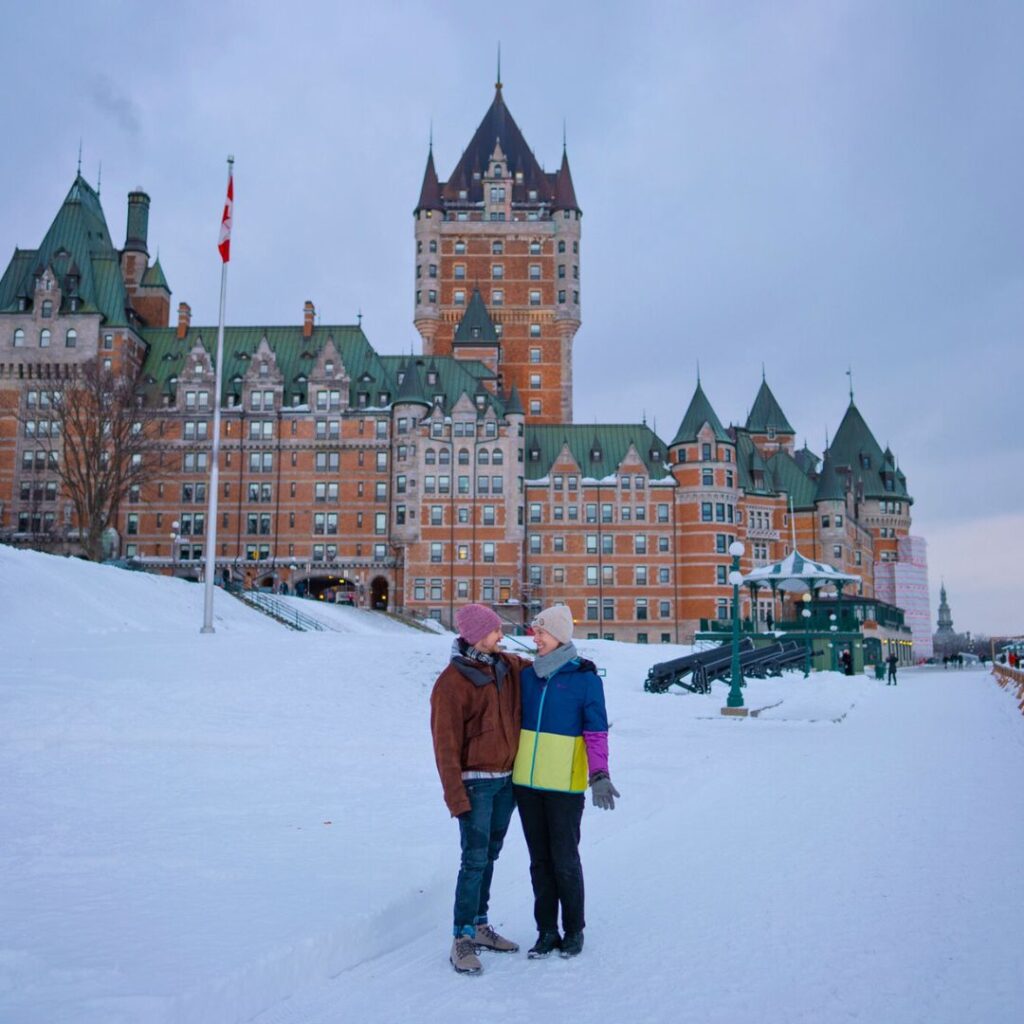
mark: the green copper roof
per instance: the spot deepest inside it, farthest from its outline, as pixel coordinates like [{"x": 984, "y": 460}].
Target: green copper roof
[
  {"x": 544, "y": 444},
  {"x": 789, "y": 478},
  {"x": 294, "y": 354},
  {"x": 476, "y": 326},
  {"x": 513, "y": 403},
  {"x": 830, "y": 485},
  {"x": 448, "y": 377},
  {"x": 749, "y": 461},
  {"x": 699, "y": 413},
  {"x": 872, "y": 474},
  {"x": 411, "y": 391},
  {"x": 767, "y": 415},
  {"x": 77, "y": 244},
  {"x": 154, "y": 277}
]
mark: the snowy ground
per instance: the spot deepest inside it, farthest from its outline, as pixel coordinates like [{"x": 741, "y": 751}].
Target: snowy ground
[{"x": 248, "y": 827}]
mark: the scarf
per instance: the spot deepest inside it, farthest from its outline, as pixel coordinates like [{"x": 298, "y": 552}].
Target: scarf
[
  {"x": 472, "y": 664},
  {"x": 546, "y": 665}
]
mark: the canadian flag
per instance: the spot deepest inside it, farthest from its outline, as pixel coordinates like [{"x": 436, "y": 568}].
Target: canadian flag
[{"x": 225, "y": 222}]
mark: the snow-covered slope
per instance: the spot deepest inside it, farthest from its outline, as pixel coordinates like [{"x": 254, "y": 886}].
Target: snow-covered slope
[{"x": 248, "y": 827}]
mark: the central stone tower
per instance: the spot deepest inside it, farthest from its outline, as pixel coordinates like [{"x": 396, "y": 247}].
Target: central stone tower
[{"x": 504, "y": 227}]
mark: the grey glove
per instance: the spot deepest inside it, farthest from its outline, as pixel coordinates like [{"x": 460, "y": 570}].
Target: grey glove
[{"x": 604, "y": 793}]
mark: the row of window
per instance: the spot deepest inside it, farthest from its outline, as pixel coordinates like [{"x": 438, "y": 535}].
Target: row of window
[
  {"x": 490, "y": 590},
  {"x": 707, "y": 478},
  {"x": 36, "y": 491},
  {"x": 36, "y": 522},
  {"x": 46, "y": 337},
  {"x": 443, "y": 484},
  {"x": 443, "y": 457},
  {"x": 717, "y": 512},
  {"x": 626, "y": 513},
  {"x": 39, "y": 460}
]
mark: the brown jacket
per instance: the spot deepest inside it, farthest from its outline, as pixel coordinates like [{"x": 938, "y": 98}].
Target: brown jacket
[{"x": 475, "y": 722}]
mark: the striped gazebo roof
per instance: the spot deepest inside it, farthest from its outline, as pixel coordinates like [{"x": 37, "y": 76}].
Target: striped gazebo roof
[{"x": 795, "y": 572}]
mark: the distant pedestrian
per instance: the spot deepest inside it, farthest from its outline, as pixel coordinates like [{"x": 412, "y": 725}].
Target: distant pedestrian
[
  {"x": 563, "y": 747},
  {"x": 846, "y": 661},
  {"x": 475, "y": 713},
  {"x": 892, "y": 661}
]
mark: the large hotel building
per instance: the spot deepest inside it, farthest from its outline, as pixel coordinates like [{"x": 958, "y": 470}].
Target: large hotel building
[{"x": 417, "y": 483}]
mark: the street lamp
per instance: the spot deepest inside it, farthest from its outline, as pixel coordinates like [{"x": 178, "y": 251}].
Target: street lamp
[
  {"x": 735, "y": 700},
  {"x": 806, "y": 613},
  {"x": 175, "y": 537}
]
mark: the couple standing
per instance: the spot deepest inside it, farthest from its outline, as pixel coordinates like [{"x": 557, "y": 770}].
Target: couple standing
[{"x": 511, "y": 732}]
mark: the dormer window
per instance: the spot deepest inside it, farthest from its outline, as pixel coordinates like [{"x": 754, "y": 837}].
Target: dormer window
[
  {"x": 532, "y": 195},
  {"x": 534, "y": 454},
  {"x": 595, "y": 454},
  {"x": 329, "y": 369},
  {"x": 865, "y": 461},
  {"x": 46, "y": 310},
  {"x": 432, "y": 378},
  {"x": 264, "y": 369}
]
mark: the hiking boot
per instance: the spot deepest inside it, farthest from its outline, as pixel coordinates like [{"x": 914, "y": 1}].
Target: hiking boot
[
  {"x": 546, "y": 944},
  {"x": 487, "y": 938},
  {"x": 463, "y": 956},
  {"x": 572, "y": 944}
]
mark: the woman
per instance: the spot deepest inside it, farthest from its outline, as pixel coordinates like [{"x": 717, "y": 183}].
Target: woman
[{"x": 563, "y": 746}]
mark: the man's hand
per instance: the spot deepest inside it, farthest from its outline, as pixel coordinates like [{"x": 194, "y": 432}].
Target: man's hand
[{"x": 604, "y": 793}]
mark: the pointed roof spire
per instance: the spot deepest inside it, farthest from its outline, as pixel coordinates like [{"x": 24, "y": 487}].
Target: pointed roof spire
[
  {"x": 497, "y": 84},
  {"x": 476, "y": 326},
  {"x": 565, "y": 194},
  {"x": 430, "y": 190},
  {"x": 411, "y": 391},
  {"x": 766, "y": 414},
  {"x": 513, "y": 404},
  {"x": 697, "y": 414},
  {"x": 849, "y": 373}
]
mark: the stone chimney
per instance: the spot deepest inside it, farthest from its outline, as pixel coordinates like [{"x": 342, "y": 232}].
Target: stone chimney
[
  {"x": 136, "y": 237},
  {"x": 308, "y": 319},
  {"x": 184, "y": 318}
]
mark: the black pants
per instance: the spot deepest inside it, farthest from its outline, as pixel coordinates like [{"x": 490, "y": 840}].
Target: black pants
[{"x": 551, "y": 824}]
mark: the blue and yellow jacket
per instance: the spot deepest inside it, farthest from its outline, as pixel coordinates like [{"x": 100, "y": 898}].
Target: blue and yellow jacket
[{"x": 562, "y": 716}]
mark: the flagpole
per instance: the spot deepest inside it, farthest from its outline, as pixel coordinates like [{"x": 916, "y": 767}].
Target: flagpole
[{"x": 211, "y": 514}]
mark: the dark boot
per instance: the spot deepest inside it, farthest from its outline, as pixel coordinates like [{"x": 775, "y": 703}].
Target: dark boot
[
  {"x": 546, "y": 944},
  {"x": 572, "y": 944}
]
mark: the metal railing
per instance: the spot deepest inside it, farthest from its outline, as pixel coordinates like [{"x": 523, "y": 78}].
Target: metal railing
[{"x": 282, "y": 611}]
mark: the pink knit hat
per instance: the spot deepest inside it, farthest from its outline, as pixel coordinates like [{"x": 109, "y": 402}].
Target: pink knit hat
[{"x": 475, "y": 621}]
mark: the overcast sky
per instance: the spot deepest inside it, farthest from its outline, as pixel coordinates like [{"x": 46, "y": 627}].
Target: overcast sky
[{"x": 810, "y": 185}]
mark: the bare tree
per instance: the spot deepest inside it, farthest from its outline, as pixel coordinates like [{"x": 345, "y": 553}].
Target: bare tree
[{"x": 99, "y": 444}]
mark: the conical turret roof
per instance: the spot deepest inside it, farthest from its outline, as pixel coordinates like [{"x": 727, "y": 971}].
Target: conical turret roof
[
  {"x": 430, "y": 190},
  {"x": 411, "y": 391},
  {"x": 697, "y": 414},
  {"x": 766, "y": 414},
  {"x": 854, "y": 446},
  {"x": 565, "y": 194},
  {"x": 476, "y": 326}
]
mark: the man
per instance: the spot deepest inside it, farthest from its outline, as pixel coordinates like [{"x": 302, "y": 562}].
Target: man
[
  {"x": 475, "y": 714},
  {"x": 892, "y": 661}
]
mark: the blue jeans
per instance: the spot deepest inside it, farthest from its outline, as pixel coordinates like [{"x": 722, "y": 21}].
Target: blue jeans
[{"x": 482, "y": 831}]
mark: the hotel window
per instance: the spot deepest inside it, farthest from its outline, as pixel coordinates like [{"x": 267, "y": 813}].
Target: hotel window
[
  {"x": 497, "y": 297},
  {"x": 419, "y": 589},
  {"x": 641, "y": 608},
  {"x": 71, "y": 338},
  {"x": 534, "y": 355},
  {"x": 640, "y": 575},
  {"x": 607, "y": 544},
  {"x": 824, "y": 522},
  {"x": 497, "y": 248},
  {"x": 459, "y": 297},
  {"x": 534, "y": 298},
  {"x": 535, "y": 381},
  {"x": 640, "y": 544},
  {"x": 839, "y": 520},
  {"x": 460, "y": 247},
  {"x": 535, "y": 248},
  {"x": 497, "y": 271},
  {"x": 436, "y": 590},
  {"x": 837, "y": 550},
  {"x": 561, "y": 270},
  {"x": 663, "y": 575},
  {"x": 535, "y": 406},
  {"x": 706, "y": 510},
  {"x": 19, "y": 338},
  {"x": 591, "y": 575},
  {"x": 534, "y": 543},
  {"x": 436, "y": 551},
  {"x": 561, "y": 295},
  {"x": 721, "y": 574},
  {"x": 719, "y": 512},
  {"x": 707, "y": 478},
  {"x": 705, "y": 452},
  {"x": 665, "y": 609},
  {"x": 534, "y": 271},
  {"x": 488, "y": 551},
  {"x": 535, "y": 516},
  {"x": 44, "y": 338}
]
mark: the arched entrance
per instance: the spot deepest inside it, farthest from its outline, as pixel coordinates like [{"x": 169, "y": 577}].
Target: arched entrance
[
  {"x": 379, "y": 594},
  {"x": 337, "y": 589}
]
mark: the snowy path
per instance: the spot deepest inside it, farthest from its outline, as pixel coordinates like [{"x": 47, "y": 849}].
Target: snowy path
[{"x": 868, "y": 871}]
